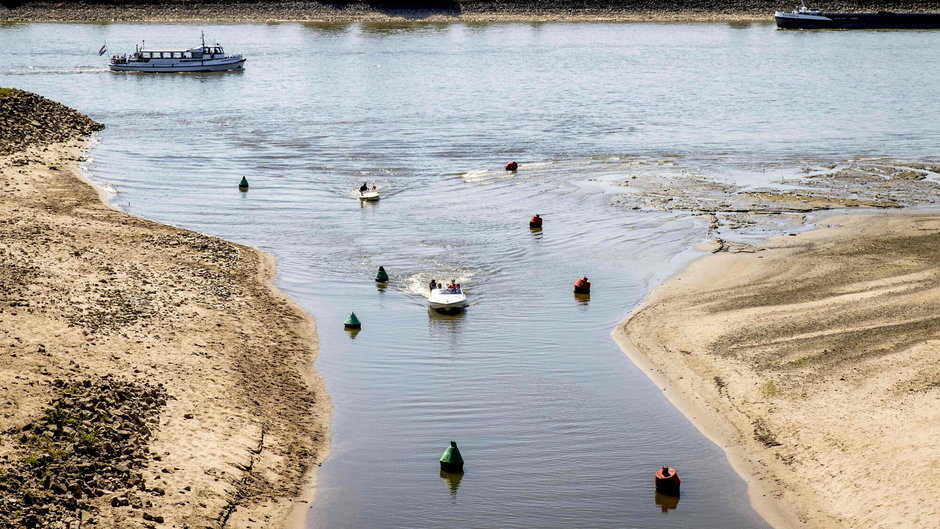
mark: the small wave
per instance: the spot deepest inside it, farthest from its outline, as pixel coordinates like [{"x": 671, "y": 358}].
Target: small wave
[{"x": 27, "y": 71}]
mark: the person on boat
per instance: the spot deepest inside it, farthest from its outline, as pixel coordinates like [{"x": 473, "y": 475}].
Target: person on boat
[
  {"x": 432, "y": 285},
  {"x": 453, "y": 284},
  {"x": 457, "y": 290},
  {"x": 374, "y": 188},
  {"x": 363, "y": 188}
]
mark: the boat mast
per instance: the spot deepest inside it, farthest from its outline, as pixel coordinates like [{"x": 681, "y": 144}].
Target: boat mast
[{"x": 203, "y": 39}]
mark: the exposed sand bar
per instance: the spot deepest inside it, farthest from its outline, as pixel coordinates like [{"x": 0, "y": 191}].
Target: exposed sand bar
[
  {"x": 814, "y": 364},
  {"x": 90, "y": 291},
  {"x": 424, "y": 10}
]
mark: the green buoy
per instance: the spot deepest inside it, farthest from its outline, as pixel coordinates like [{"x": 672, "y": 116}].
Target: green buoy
[
  {"x": 381, "y": 276},
  {"x": 352, "y": 322},
  {"x": 243, "y": 185},
  {"x": 451, "y": 460}
]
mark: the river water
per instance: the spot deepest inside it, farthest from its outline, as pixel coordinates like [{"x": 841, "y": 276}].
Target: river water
[{"x": 557, "y": 427}]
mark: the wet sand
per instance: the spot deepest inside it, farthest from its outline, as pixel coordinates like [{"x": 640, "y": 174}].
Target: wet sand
[
  {"x": 187, "y": 323},
  {"x": 812, "y": 362}
]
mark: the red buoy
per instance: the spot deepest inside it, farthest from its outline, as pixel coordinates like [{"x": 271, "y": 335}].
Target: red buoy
[
  {"x": 582, "y": 286},
  {"x": 512, "y": 166},
  {"x": 535, "y": 222},
  {"x": 667, "y": 481}
]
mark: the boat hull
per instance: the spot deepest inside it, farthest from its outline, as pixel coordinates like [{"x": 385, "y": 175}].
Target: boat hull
[
  {"x": 369, "y": 196},
  {"x": 194, "y": 66},
  {"x": 883, "y": 20},
  {"x": 447, "y": 302}
]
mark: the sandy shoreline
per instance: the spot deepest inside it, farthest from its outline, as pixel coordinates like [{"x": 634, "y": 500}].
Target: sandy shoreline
[
  {"x": 440, "y": 11},
  {"x": 90, "y": 292},
  {"x": 805, "y": 359}
]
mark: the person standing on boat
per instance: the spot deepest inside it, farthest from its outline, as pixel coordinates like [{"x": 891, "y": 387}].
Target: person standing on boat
[
  {"x": 432, "y": 285},
  {"x": 363, "y": 188}
]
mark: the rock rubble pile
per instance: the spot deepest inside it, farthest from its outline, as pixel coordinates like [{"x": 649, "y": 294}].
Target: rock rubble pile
[
  {"x": 28, "y": 120},
  {"x": 90, "y": 442}
]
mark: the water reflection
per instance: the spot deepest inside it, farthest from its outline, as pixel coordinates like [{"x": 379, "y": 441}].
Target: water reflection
[
  {"x": 445, "y": 324},
  {"x": 666, "y": 503},
  {"x": 328, "y": 27},
  {"x": 380, "y": 28},
  {"x": 452, "y": 481},
  {"x": 582, "y": 299},
  {"x": 352, "y": 333}
]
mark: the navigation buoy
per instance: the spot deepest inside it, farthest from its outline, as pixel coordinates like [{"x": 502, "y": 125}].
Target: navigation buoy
[
  {"x": 451, "y": 460},
  {"x": 352, "y": 322},
  {"x": 582, "y": 286},
  {"x": 381, "y": 276},
  {"x": 535, "y": 222},
  {"x": 667, "y": 481},
  {"x": 512, "y": 166},
  {"x": 243, "y": 185}
]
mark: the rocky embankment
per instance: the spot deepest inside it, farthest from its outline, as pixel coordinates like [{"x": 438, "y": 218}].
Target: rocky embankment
[
  {"x": 438, "y": 10},
  {"x": 28, "y": 120},
  {"x": 149, "y": 376}
]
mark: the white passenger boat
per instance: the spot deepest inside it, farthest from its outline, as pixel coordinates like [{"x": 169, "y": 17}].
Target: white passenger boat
[
  {"x": 369, "y": 196},
  {"x": 447, "y": 300},
  {"x": 204, "y": 58}
]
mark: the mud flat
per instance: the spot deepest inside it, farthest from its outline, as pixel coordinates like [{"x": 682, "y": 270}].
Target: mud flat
[
  {"x": 150, "y": 376},
  {"x": 813, "y": 362}
]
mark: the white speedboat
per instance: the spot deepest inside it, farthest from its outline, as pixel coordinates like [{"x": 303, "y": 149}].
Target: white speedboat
[
  {"x": 369, "y": 196},
  {"x": 447, "y": 300},
  {"x": 199, "y": 59}
]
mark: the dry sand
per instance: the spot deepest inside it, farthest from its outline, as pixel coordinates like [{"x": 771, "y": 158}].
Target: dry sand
[
  {"x": 440, "y": 11},
  {"x": 87, "y": 290},
  {"x": 814, "y": 364}
]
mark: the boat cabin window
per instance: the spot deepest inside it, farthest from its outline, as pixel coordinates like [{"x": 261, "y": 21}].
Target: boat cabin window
[{"x": 177, "y": 55}]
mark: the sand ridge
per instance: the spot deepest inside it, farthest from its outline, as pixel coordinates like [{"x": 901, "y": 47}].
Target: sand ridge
[
  {"x": 91, "y": 291},
  {"x": 813, "y": 362}
]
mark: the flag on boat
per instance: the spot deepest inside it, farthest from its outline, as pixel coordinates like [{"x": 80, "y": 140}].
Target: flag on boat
[{"x": 103, "y": 50}]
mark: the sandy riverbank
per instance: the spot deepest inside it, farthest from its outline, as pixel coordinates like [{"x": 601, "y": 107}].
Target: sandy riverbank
[
  {"x": 100, "y": 309},
  {"x": 813, "y": 363},
  {"x": 423, "y": 10}
]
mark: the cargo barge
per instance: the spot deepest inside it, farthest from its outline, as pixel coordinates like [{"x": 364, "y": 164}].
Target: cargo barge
[{"x": 804, "y": 18}]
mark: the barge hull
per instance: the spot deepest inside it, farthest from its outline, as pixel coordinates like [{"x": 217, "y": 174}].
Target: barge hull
[{"x": 882, "y": 20}]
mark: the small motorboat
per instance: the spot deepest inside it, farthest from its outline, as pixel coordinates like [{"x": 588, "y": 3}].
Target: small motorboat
[
  {"x": 447, "y": 300},
  {"x": 369, "y": 196}
]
